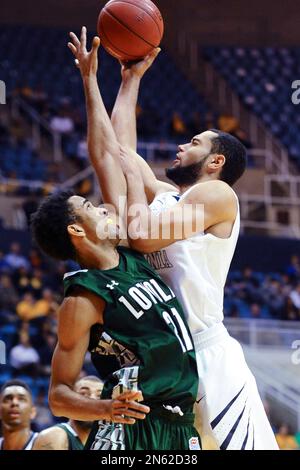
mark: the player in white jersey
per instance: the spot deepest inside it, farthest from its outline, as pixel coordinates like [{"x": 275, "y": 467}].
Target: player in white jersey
[
  {"x": 16, "y": 412},
  {"x": 230, "y": 412}
]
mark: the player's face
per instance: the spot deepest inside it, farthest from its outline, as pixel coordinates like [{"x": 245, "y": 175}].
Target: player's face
[
  {"x": 89, "y": 388},
  {"x": 195, "y": 151},
  {"x": 97, "y": 222},
  {"x": 16, "y": 409}
]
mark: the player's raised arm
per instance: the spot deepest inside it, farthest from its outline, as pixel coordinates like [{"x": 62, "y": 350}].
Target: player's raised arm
[
  {"x": 207, "y": 204},
  {"x": 102, "y": 143},
  {"x": 124, "y": 120},
  {"x": 68, "y": 358},
  {"x": 124, "y": 112}
]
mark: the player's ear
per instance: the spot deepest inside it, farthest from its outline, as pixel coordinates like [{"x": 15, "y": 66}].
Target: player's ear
[
  {"x": 76, "y": 230},
  {"x": 217, "y": 161}
]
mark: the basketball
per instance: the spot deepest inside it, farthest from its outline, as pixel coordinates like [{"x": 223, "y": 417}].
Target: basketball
[{"x": 130, "y": 29}]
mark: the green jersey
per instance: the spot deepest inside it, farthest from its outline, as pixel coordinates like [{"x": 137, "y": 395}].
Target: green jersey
[
  {"x": 73, "y": 439},
  {"x": 144, "y": 343}
]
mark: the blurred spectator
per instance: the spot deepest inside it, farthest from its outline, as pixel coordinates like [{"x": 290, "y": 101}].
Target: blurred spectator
[
  {"x": 8, "y": 294},
  {"x": 35, "y": 259},
  {"x": 273, "y": 296},
  {"x": 62, "y": 123},
  {"x": 291, "y": 313},
  {"x": 23, "y": 358},
  {"x": 4, "y": 266},
  {"x": 25, "y": 308},
  {"x": 14, "y": 259},
  {"x": 46, "y": 305},
  {"x": 255, "y": 311},
  {"x": 178, "y": 128},
  {"x": 295, "y": 298},
  {"x": 285, "y": 440},
  {"x": 21, "y": 278},
  {"x": 293, "y": 269},
  {"x": 19, "y": 220},
  {"x": 228, "y": 123},
  {"x": 46, "y": 352},
  {"x": 85, "y": 187},
  {"x": 29, "y": 308},
  {"x": 17, "y": 131},
  {"x": 36, "y": 282}
]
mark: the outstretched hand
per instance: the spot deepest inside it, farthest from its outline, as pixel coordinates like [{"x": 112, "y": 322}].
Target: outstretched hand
[
  {"x": 86, "y": 61},
  {"x": 139, "y": 68}
]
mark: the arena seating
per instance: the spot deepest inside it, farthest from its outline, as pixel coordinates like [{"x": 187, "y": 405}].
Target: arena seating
[
  {"x": 39, "y": 57},
  {"x": 19, "y": 161},
  {"x": 262, "y": 77}
]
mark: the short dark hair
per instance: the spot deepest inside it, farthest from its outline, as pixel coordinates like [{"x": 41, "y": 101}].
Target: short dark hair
[
  {"x": 15, "y": 383},
  {"x": 49, "y": 226},
  {"x": 235, "y": 154},
  {"x": 91, "y": 378}
]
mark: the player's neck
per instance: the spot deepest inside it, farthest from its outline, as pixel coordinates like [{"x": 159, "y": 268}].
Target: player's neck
[
  {"x": 82, "y": 433},
  {"x": 100, "y": 258},
  {"x": 15, "y": 440},
  {"x": 201, "y": 179}
]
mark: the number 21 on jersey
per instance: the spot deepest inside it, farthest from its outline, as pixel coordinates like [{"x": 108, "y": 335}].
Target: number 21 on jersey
[{"x": 173, "y": 318}]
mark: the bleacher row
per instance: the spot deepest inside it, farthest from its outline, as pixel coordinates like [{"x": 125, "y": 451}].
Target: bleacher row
[
  {"x": 38, "y": 59},
  {"x": 39, "y": 56},
  {"x": 262, "y": 78}
]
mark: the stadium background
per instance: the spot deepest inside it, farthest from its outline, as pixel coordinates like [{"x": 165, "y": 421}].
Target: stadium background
[{"x": 225, "y": 64}]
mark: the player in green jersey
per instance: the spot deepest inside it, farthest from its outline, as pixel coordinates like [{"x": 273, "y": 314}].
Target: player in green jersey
[
  {"x": 73, "y": 434},
  {"x": 118, "y": 307}
]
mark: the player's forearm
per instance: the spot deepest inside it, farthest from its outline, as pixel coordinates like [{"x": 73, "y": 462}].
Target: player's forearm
[
  {"x": 148, "y": 232},
  {"x": 139, "y": 214},
  {"x": 124, "y": 112},
  {"x": 64, "y": 402},
  {"x": 101, "y": 137}
]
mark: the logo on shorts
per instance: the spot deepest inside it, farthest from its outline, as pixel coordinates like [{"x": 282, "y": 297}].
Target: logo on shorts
[{"x": 194, "y": 443}]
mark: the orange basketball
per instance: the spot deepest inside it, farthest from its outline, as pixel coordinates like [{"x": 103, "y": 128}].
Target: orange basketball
[{"x": 130, "y": 29}]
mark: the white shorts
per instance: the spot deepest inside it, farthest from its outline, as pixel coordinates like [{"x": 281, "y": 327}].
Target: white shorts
[{"x": 229, "y": 411}]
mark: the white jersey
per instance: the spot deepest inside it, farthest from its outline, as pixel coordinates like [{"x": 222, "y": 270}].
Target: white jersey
[
  {"x": 29, "y": 443},
  {"x": 196, "y": 269}
]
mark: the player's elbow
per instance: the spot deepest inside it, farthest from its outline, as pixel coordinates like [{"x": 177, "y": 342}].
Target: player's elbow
[{"x": 56, "y": 401}]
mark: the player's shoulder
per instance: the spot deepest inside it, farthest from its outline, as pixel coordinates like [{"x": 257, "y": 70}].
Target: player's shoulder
[
  {"x": 163, "y": 187},
  {"x": 77, "y": 300},
  {"x": 83, "y": 283},
  {"x": 211, "y": 190},
  {"x": 53, "y": 438}
]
